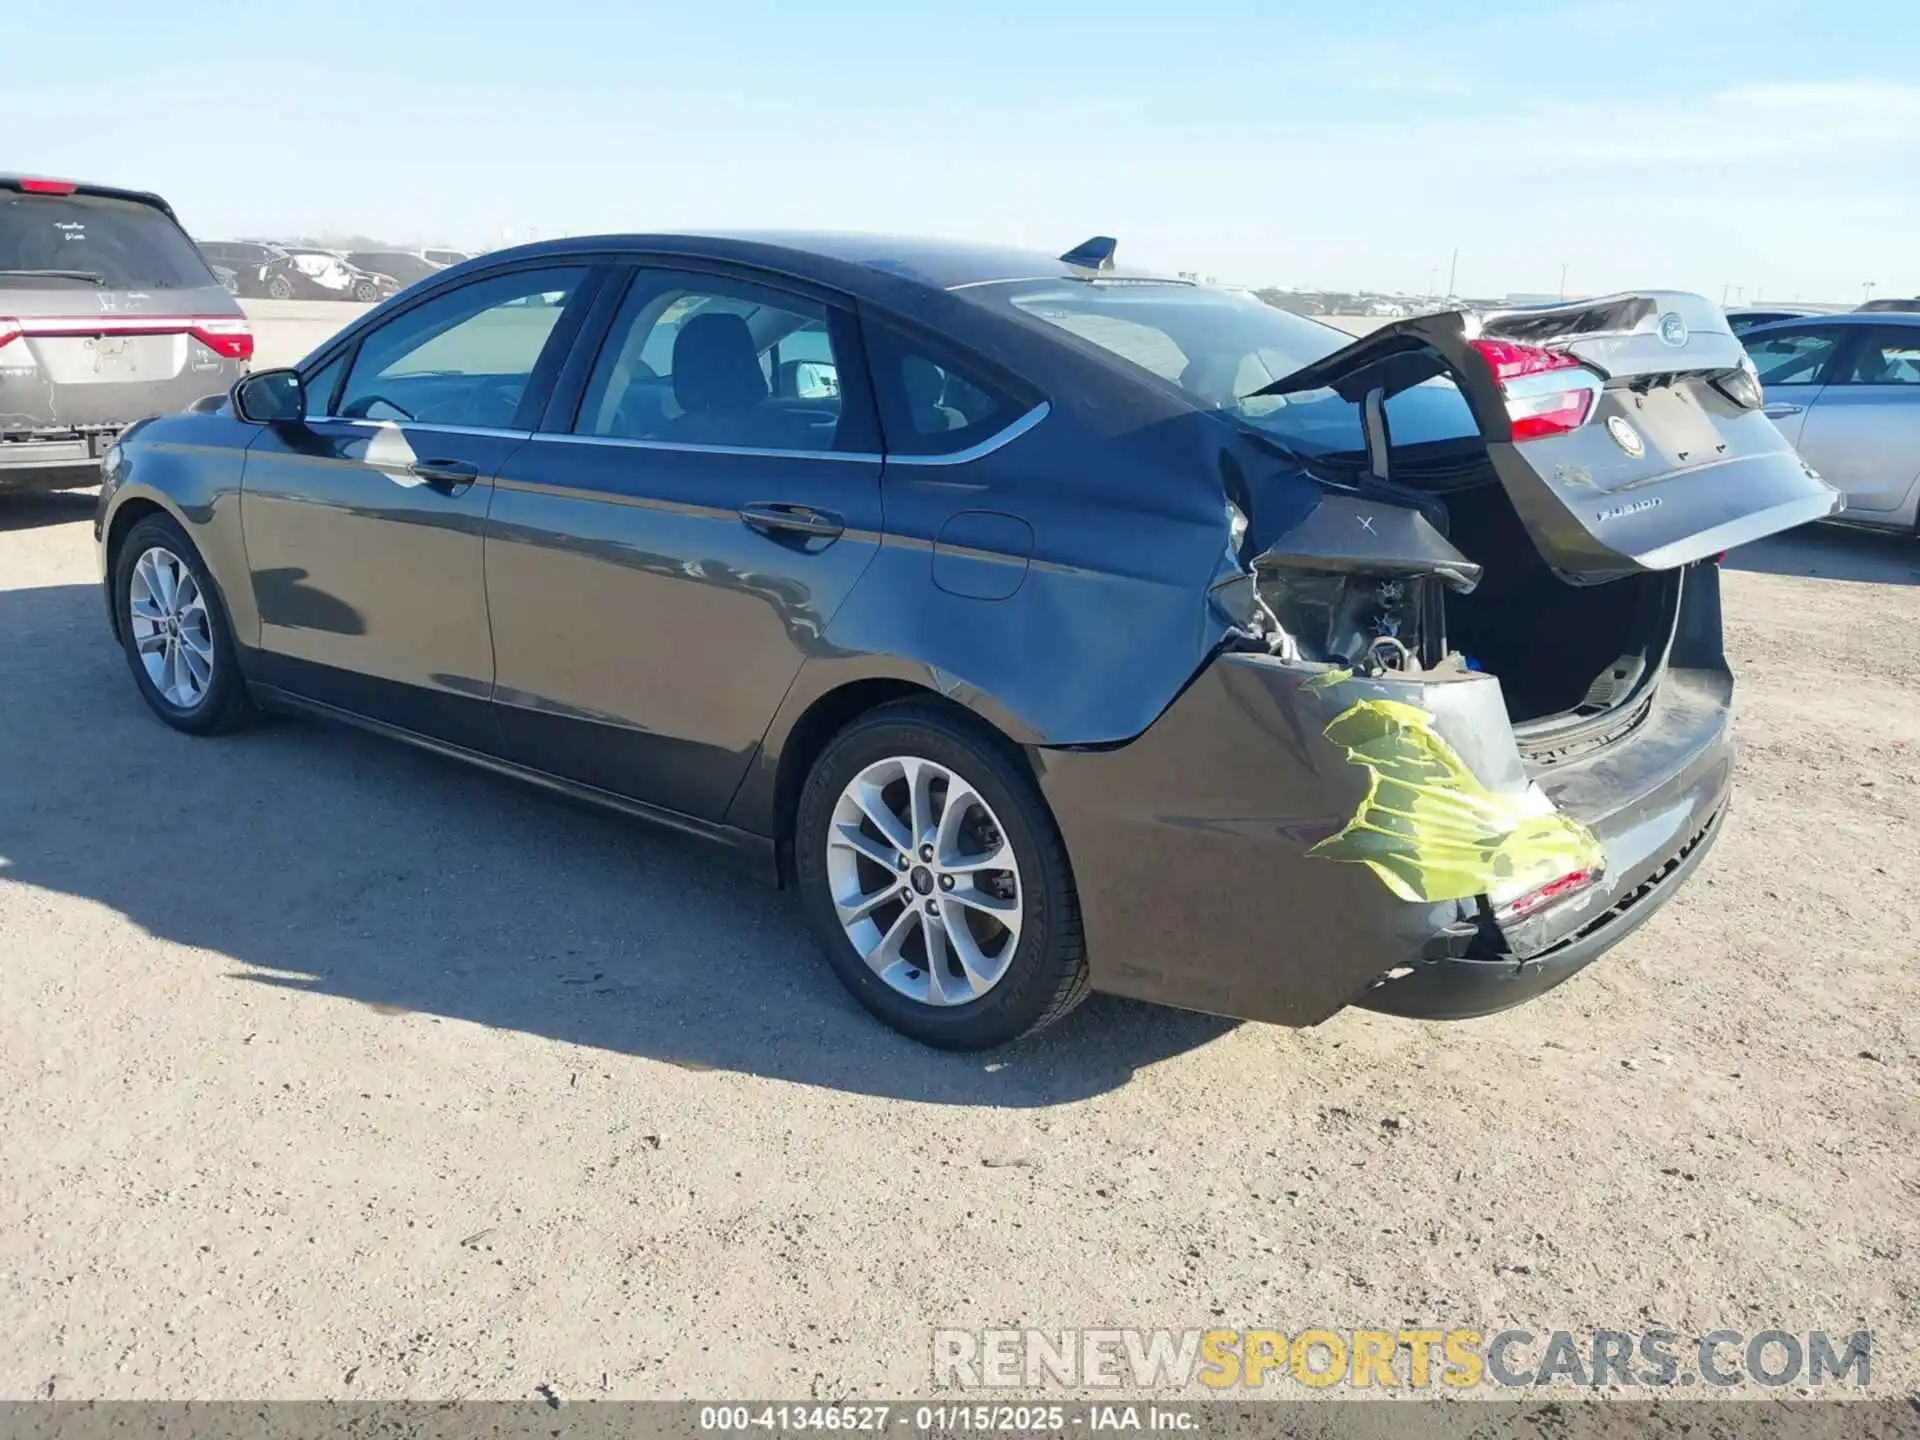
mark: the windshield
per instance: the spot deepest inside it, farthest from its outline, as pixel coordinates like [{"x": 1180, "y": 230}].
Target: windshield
[
  {"x": 1220, "y": 347},
  {"x": 96, "y": 240}
]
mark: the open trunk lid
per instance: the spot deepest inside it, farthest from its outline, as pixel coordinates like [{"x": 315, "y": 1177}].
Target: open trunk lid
[{"x": 1626, "y": 430}]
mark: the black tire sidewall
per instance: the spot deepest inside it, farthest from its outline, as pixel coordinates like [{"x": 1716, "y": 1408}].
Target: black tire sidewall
[
  {"x": 226, "y": 697},
  {"x": 1025, "y": 995}
]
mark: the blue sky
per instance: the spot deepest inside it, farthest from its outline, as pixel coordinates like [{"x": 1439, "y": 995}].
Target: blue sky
[{"x": 1765, "y": 145}]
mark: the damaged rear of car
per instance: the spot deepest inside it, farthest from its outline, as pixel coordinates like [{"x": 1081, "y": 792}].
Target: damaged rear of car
[{"x": 1467, "y": 723}]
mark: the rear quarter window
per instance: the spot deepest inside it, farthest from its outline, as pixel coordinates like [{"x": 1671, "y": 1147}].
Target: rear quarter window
[
  {"x": 127, "y": 245},
  {"x": 933, "y": 402}
]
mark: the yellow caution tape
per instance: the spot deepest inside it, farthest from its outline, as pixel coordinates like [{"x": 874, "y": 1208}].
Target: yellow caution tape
[{"x": 1430, "y": 830}]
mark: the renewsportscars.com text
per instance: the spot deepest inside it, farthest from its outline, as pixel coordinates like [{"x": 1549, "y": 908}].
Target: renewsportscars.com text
[{"x": 1458, "y": 1359}]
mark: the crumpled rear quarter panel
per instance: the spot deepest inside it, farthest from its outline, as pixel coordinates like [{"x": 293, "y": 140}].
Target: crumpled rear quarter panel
[{"x": 1190, "y": 844}]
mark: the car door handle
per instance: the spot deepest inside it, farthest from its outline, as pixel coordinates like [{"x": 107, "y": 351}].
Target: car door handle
[
  {"x": 1775, "y": 409},
  {"x": 446, "y": 476},
  {"x": 779, "y": 519}
]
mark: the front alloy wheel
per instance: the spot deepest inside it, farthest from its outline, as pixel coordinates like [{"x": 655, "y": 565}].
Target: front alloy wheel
[{"x": 172, "y": 631}]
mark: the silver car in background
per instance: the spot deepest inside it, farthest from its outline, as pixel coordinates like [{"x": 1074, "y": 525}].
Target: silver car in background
[
  {"x": 1845, "y": 391},
  {"x": 108, "y": 314}
]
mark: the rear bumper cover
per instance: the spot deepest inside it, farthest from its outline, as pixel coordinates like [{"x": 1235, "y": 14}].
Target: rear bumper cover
[
  {"x": 68, "y": 452},
  {"x": 1190, "y": 844}
]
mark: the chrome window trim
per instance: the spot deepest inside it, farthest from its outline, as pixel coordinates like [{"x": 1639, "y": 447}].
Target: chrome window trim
[
  {"x": 434, "y": 426},
  {"x": 1005, "y": 436},
  {"x": 993, "y": 442},
  {"x": 628, "y": 443}
]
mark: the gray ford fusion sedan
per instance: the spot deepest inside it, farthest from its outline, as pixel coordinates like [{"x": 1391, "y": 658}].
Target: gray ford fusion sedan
[{"x": 1048, "y": 626}]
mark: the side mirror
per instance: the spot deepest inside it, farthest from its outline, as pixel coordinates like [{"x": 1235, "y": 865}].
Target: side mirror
[
  {"x": 809, "y": 379},
  {"x": 267, "y": 397}
]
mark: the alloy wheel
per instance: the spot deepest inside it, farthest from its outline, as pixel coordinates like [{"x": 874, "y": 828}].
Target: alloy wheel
[
  {"x": 171, "y": 628},
  {"x": 924, "y": 881}
]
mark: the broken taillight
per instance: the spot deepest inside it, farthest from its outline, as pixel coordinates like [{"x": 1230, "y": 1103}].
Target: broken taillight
[
  {"x": 1509, "y": 360},
  {"x": 1553, "y": 891},
  {"x": 1548, "y": 392}
]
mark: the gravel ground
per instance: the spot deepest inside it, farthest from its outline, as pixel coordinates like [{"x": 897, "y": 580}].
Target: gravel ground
[{"x": 331, "y": 1069}]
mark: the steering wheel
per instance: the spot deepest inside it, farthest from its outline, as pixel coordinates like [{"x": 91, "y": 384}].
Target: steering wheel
[
  {"x": 485, "y": 401},
  {"x": 362, "y": 408}
]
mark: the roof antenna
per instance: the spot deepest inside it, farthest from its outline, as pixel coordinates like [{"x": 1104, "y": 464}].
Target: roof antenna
[{"x": 1094, "y": 254}]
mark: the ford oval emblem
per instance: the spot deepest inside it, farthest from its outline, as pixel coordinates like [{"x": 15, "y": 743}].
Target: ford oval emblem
[
  {"x": 1673, "y": 329},
  {"x": 1626, "y": 437}
]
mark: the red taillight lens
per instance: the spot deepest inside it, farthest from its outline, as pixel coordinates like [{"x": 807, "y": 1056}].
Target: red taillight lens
[
  {"x": 1569, "y": 884},
  {"x": 230, "y": 339},
  {"x": 9, "y": 332},
  {"x": 40, "y": 186},
  {"x": 1509, "y": 360},
  {"x": 1553, "y": 413},
  {"x": 1538, "y": 407}
]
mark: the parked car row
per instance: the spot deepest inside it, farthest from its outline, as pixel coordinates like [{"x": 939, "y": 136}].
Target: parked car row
[
  {"x": 1845, "y": 391},
  {"x": 283, "y": 271}
]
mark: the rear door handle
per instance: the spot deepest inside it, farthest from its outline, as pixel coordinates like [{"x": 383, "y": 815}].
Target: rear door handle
[
  {"x": 446, "y": 476},
  {"x": 1774, "y": 409},
  {"x": 779, "y": 520}
]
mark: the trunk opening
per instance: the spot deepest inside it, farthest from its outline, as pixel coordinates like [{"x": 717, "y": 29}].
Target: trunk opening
[
  {"x": 1611, "y": 445},
  {"x": 1563, "y": 653},
  {"x": 1573, "y": 661}
]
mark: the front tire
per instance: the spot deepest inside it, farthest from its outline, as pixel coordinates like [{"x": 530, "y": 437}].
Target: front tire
[
  {"x": 279, "y": 288},
  {"x": 936, "y": 881},
  {"x": 366, "y": 292},
  {"x": 175, "y": 632}
]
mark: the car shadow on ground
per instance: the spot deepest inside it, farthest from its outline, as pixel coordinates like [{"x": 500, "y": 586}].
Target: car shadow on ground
[
  {"x": 1833, "y": 552},
  {"x": 354, "y": 869},
  {"x": 33, "y": 509}
]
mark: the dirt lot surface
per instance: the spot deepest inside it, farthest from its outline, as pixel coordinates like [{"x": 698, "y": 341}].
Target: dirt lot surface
[{"x": 330, "y": 1069}]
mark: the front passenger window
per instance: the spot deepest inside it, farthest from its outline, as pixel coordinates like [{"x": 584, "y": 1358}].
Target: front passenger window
[
  {"x": 463, "y": 358},
  {"x": 1795, "y": 357}
]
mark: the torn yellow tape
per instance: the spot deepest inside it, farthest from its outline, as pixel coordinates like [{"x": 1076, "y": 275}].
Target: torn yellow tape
[{"x": 1430, "y": 830}]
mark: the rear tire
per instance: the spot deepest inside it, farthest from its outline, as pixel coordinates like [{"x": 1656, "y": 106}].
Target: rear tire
[
  {"x": 279, "y": 288},
  {"x": 973, "y": 924},
  {"x": 366, "y": 292},
  {"x": 175, "y": 632}
]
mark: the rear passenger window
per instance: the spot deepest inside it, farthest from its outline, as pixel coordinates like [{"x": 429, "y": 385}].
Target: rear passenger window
[
  {"x": 933, "y": 403},
  {"x": 1888, "y": 360},
  {"x": 709, "y": 361}
]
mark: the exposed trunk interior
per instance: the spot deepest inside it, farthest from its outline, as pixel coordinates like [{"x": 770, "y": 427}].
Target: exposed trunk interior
[
  {"x": 1566, "y": 655},
  {"x": 1561, "y": 651}
]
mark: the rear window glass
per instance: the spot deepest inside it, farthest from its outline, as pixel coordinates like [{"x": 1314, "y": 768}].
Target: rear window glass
[
  {"x": 115, "y": 244},
  {"x": 1220, "y": 348}
]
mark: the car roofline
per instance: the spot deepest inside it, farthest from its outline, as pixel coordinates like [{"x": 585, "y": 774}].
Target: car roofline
[
  {"x": 929, "y": 263},
  {"x": 11, "y": 180}
]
